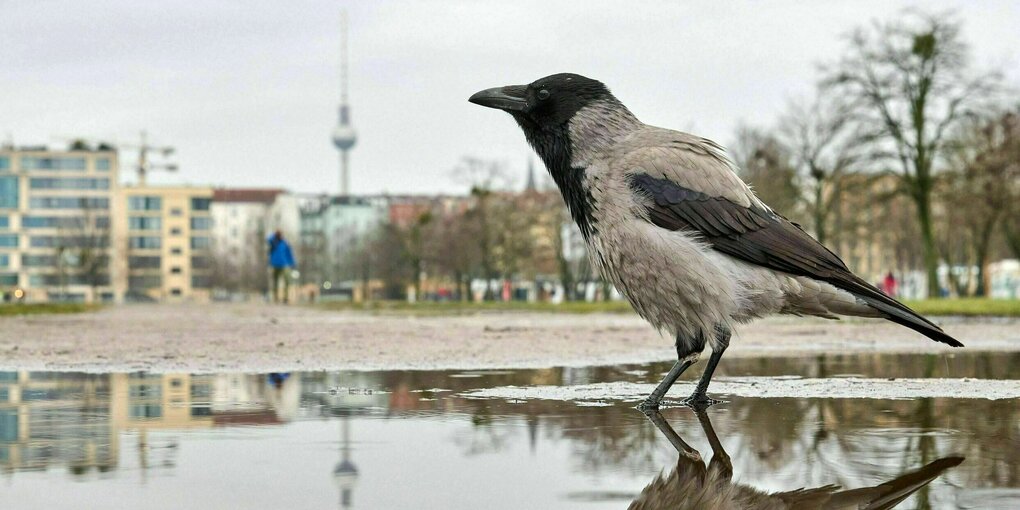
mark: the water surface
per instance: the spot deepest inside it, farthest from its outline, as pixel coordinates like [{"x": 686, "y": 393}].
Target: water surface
[{"x": 419, "y": 439}]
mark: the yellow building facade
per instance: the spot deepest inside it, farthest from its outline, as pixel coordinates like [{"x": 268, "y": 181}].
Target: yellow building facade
[{"x": 167, "y": 240}]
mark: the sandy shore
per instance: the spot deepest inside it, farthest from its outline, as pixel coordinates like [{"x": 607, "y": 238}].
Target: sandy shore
[{"x": 256, "y": 337}]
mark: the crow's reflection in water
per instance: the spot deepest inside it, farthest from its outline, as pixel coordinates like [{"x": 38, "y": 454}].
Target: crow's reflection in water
[{"x": 693, "y": 485}]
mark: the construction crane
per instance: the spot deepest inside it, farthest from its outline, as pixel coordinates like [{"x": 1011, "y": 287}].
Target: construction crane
[{"x": 144, "y": 164}]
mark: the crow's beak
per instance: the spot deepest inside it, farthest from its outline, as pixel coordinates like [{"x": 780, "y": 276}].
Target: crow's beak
[{"x": 510, "y": 98}]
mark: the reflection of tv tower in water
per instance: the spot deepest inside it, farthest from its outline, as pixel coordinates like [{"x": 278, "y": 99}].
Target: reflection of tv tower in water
[
  {"x": 344, "y": 135},
  {"x": 345, "y": 474}
]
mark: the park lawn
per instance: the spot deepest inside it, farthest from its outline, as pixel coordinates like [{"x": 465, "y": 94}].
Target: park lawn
[
  {"x": 11, "y": 309},
  {"x": 968, "y": 307}
]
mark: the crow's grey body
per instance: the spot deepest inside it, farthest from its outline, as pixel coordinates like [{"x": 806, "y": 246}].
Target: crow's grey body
[
  {"x": 671, "y": 225},
  {"x": 675, "y": 280}
]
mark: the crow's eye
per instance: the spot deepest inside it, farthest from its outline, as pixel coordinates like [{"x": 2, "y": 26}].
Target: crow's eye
[{"x": 543, "y": 95}]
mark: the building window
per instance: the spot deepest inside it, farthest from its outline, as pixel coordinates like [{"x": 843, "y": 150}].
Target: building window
[
  {"x": 200, "y": 204},
  {"x": 145, "y": 223},
  {"x": 175, "y": 270},
  {"x": 199, "y": 243},
  {"x": 69, "y": 222},
  {"x": 53, "y": 280},
  {"x": 200, "y": 223},
  {"x": 69, "y": 203},
  {"x": 5, "y": 260},
  {"x": 175, "y": 292},
  {"x": 144, "y": 262},
  {"x": 201, "y": 281},
  {"x": 8, "y": 279},
  {"x": 8, "y": 240},
  {"x": 103, "y": 164},
  {"x": 5, "y": 163},
  {"x": 28, "y": 260},
  {"x": 176, "y": 211},
  {"x": 84, "y": 241},
  {"x": 68, "y": 183},
  {"x": 8, "y": 192},
  {"x": 176, "y": 250},
  {"x": 200, "y": 263},
  {"x": 143, "y": 411},
  {"x": 5, "y": 222},
  {"x": 175, "y": 231},
  {"x": 143, "y": 203},
  {"x": 60, "y": 163},
  {"x": 144, "y": 281},
  {"x": 145, "y": 242}
]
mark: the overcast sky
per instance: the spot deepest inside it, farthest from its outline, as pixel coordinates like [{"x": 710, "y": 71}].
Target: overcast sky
[{"x": 247, "y": 90}]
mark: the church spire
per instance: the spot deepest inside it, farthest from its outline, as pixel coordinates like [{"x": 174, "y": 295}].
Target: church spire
[{"x": 531, "y": 176}]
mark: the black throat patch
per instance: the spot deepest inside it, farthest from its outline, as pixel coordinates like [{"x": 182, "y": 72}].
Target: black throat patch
[{"x": 553, "y": 146}]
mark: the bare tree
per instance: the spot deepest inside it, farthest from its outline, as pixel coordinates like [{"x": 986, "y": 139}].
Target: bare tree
[
  {"x": 825, "y": 146},
  {"x": 83, "y": 248},
  {"x": 909, "y": 83},
  {"x": 452, "y": 249},
  {"x": 979, "y": 190},
  {"x": 767, "y": 165},
  {"x": 484, "y": 178}
]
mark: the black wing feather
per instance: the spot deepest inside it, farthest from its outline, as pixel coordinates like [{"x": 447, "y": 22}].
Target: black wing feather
[{"x": 758, "y": 235}]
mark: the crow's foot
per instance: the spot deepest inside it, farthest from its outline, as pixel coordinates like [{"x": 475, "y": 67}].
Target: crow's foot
[
  {"x": 700, "y": 402},
  {"x": 649, "y": 405}
]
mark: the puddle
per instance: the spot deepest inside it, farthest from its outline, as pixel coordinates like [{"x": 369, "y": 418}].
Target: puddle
[{"x": 434, "y": 439}]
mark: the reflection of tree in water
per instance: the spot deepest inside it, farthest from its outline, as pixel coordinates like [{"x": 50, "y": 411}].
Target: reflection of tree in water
[{"x": 486, "y": 438}]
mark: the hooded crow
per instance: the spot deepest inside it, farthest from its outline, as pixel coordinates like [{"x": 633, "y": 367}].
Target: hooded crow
[{"x": 667, "y": 221}]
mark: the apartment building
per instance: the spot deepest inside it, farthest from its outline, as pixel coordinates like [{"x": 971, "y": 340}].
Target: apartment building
[
  {"x": 56, "y": 237},
  {"x": 167, "y": 241}
]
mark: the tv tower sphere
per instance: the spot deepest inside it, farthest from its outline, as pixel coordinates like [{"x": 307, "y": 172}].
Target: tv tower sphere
[{"x": 344, "y": 135}]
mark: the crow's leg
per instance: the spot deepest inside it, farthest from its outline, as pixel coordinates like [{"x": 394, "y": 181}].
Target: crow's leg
[
  {"x": 720, "y": 462},
  {"x": 684, "y": 449},
  {"x": 699, "y": 399},
  {"x": 688, "y": 349}
]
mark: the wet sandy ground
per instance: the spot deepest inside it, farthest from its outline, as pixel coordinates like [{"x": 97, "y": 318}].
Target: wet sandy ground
[{"x": 257, "y": 337}]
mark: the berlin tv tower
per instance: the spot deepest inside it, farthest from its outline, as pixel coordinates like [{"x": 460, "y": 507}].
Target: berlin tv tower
[{"x": 344, "y": 135}]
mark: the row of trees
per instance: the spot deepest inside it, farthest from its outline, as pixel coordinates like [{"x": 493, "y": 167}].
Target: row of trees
[
  {"x": 902, "y": 105},
  {"x": 492, "y": 234}
]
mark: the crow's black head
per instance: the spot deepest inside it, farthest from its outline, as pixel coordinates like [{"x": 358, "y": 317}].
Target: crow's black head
[
  {"x": 544, "y": 110},
  {"x": 547, "y": 102}
]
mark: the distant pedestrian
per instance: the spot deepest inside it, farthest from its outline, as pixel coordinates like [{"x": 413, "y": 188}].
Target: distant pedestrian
[
  {"x": 281, "y": 259},
  {"x": 889, "y": 284}
]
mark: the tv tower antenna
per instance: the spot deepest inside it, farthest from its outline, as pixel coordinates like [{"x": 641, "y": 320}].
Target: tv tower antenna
[{"x": 344, "y": 135}]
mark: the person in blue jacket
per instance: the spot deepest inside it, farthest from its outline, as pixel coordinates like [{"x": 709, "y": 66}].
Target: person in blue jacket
[{"x": 280, "y": 259}]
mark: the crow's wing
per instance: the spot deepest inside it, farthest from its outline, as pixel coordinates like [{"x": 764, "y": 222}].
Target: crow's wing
[{"x": 690, "y": 185}]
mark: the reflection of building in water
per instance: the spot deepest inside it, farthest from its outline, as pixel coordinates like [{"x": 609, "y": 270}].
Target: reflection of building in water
[
  {"x": 75, "y": 419},
  {"x": 160, "y": 401},
  {"x": 56, "y": 419}
]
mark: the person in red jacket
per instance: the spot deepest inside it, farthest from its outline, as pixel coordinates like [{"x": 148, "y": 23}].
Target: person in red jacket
[{"x": 889, "y": 284}]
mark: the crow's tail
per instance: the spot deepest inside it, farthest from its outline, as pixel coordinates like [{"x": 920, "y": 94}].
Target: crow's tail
[{"x": 897, "y": 312}]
